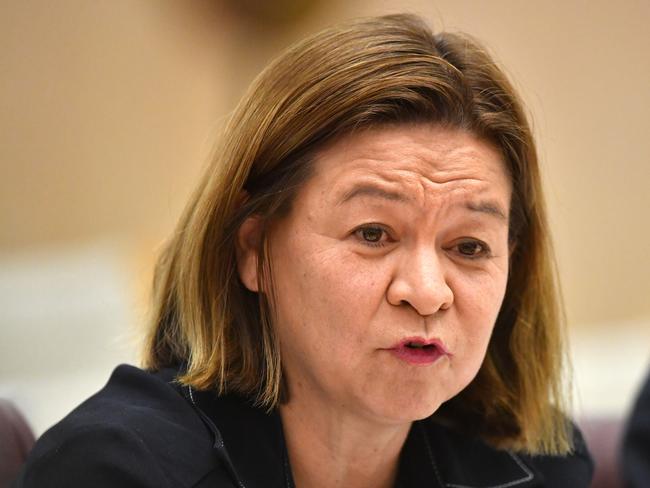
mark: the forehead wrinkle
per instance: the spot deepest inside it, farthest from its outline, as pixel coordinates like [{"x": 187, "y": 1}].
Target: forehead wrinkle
[
  {"x": 435, "y": 166},
  {"x": 394, "y": 185},
  {"x": 416, "y": 165},
  {"x": 431, "y": 198},
  {"x": 449, "y": 168},
  {"x": 435, "y": 157}
]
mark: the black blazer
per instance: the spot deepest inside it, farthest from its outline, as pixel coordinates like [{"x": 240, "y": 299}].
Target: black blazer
[
  {"x": 636, "y": 442},
  {"x": 144, "y": 430}
]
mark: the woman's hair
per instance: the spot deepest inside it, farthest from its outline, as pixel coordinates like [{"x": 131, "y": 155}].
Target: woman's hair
[{"x": 361, "y": 74}]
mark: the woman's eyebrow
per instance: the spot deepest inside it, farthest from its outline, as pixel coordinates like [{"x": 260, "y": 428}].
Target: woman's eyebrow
[
  {"x": 367, "y": 190},
  {"x": 489, "y": 207}
]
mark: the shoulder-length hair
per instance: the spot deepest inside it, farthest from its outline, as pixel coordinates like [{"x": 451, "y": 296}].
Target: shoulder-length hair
[{"x": 384, "y": 70}]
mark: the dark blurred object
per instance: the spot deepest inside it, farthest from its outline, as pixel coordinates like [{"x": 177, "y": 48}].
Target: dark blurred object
[
  {"x": 16, "y": 440},
  {"x": 603, "y": 437},
  {"x": 636, "y": 442},
  {"x": 271, "y": 14}
]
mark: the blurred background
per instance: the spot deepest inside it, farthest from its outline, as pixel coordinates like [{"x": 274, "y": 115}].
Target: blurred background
[{"x": 109, "y": 110}]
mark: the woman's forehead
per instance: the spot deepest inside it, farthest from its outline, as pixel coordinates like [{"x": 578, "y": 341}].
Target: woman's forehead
[{"x": 406, "y": 162}]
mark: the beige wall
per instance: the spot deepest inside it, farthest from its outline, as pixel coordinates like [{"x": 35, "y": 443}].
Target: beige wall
[{"x": 108, "y": 110}]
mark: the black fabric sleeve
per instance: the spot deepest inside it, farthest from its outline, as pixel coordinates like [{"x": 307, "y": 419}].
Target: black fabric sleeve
[
  {"x": 636, "y": 442},
  {"x": 99, "y": 457}
]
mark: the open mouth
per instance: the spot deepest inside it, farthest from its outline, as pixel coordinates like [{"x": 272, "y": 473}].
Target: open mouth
[
  {"x": 418, "y": 345},
  {"x": 420, "y": 351}
]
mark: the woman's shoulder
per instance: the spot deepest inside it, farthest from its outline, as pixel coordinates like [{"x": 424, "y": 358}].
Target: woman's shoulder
[
  {"x": 574, "y": 469},
  {"x": 138, "y": 430},
  {"x": 464, "y": 461}
]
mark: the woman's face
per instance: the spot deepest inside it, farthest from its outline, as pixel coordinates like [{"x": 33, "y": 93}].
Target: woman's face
[{"x": 390, "y": 270}]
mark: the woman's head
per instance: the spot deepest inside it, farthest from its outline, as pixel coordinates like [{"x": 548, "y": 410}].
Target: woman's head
[
  {"x": 351, "y": 93},
  {"x": 389, "y": 270}
]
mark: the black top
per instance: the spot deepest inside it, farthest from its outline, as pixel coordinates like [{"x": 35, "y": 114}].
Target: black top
[
  {"x": 144, "y": 430},
  {"x": 636, "y": 442}
]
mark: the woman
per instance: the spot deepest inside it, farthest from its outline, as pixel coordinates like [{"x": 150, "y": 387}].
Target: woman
[{"x": 359, "y": 294}]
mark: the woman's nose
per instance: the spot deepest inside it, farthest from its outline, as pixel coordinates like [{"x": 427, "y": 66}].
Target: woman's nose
[{"x": 420, "y": 282}]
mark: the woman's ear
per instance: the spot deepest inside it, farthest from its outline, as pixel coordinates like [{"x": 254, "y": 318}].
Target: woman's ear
[{"x": 247, "y": 247}]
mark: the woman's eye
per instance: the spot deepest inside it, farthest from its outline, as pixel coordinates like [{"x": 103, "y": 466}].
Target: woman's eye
[
  {"x": 371, "y": 235},
  {"x": 473, "y": 249}
]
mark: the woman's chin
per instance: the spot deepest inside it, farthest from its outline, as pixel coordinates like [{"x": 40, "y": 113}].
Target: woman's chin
[{"x": 404, "y": 410}]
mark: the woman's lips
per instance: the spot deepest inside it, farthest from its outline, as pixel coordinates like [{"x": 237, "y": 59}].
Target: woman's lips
[{"x": 416, "y": 350}]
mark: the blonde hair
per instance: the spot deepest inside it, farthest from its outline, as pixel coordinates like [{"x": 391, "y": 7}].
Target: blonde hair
[{"x": 384, "y": 70}]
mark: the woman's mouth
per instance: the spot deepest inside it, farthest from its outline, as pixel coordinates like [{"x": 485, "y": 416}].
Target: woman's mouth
[{"x": 419, "y": 351}]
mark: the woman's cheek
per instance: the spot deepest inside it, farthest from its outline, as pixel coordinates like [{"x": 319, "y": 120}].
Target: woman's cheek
[
  {"x": 477, "y": 305},
  {"x": 473, "y": 354},
  {"x": 479, "y": 293}
]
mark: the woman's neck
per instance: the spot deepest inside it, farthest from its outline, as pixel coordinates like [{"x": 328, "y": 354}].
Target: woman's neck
[{"x": 331, "y": 448}]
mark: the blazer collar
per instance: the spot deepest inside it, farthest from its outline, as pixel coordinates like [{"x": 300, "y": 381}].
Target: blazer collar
[
  {"x": 433, "y": 456},
  {"x": 250, "y": 439},
  {"x": 462, "y": 462}
]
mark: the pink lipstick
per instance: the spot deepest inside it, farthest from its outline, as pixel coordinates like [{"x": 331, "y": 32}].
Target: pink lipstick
[{"x": 416, "y": 350}]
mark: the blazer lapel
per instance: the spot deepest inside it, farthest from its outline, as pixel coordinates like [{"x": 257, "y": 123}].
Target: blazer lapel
[{"x": 461, "y": 462}]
